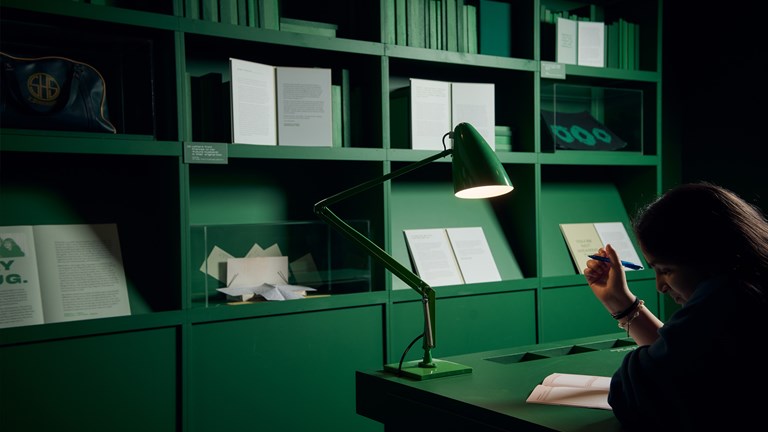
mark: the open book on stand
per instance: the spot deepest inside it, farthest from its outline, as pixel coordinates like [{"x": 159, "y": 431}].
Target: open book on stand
[
  {"x": 584, "y": 239},
  {"x": 52, "y": 273},
  {"x": 451, "y": 256}
]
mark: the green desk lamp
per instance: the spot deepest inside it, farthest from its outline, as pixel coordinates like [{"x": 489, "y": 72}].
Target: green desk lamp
[{"x": 477, "y": 173}]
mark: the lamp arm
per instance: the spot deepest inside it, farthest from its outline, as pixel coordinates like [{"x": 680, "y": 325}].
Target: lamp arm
[
  {"x": 321, "y": 210},
  {"x": 403, "y": 273}
]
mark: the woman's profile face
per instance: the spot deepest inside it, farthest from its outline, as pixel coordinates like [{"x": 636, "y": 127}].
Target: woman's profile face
[{"x": 676, "y": 280}]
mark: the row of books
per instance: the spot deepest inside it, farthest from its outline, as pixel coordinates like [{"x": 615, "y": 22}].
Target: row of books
[
  {"x": 449, "y": 25},
  {"x": 613, "y": 45},
  {"x": 263, "y": 14}
]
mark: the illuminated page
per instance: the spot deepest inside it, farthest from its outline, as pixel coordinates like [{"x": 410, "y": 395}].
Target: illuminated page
[
  {"x": 473, "y": 103},
  {"x": 430, "y": 113},
  {"x": 20, "y": 300},
  {"x": 253, "y": 103},
  {"x": 81, "y": 272},
  {"x": 432, "y": 256},
  {"x": 304, "y": 111},
  {"x": 470, "y": 247},
  {"x": 582, "y": 240},
  {"x": 615, "y": 234}
]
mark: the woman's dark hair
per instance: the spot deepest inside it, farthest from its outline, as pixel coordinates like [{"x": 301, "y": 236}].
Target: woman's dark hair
[{"x": 707, "y": 226}]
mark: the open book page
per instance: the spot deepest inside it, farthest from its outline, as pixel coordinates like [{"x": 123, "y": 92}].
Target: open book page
[
  {"x": 591, "y": 44},
  {"x": 473, "y": 254},
  {"x": 582, "y": 240},
  {"x": 587, "y": 391},
  {"x": 21, "y": 303},
  {"x": 474, "y": 103},
  {"x": 253, "y": 103},
  {"x": 565, "y": 48},
  {"x": 432, "y": 256},
  {"x": 304, "y": 106},
  {"x": 81, "y": 272},
  {"x": 430, "y": 113},
  {"x": 615, "y": 234}
]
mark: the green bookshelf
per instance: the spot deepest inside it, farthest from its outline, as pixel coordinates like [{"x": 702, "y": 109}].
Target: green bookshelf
[{"x": 181, "y": 364}]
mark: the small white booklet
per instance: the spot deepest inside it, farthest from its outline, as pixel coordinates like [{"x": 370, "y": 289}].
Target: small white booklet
[
  {"x": 451, "y": 256},
  {"x": 577, "y": 390}
]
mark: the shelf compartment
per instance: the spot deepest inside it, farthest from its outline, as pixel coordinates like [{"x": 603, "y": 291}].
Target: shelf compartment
[
  {"x": 316, "y": 257},
  {"x": 576, "y": 117},
  {"x": 137, "y": 64}
]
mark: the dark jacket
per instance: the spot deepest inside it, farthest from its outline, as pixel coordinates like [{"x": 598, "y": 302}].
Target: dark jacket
[{"x": 705, "y": 369}]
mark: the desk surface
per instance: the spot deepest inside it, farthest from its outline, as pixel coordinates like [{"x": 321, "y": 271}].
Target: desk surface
[{"x": 492, "y": 397}]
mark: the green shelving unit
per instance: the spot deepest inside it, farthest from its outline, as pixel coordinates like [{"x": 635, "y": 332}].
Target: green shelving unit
[{"x": 179, "y": 363}]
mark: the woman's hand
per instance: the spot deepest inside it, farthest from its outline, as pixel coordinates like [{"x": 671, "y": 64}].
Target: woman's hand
[{"x": 608, "y": 282}]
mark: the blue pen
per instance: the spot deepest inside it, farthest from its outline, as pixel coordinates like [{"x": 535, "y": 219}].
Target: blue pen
[{"x": 626, "y": 264}]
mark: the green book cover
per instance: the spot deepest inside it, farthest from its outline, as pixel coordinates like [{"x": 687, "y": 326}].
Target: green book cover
[
  {"x": 471, "y": 29},
  {"x": 269, "y": 14},
  {"x": 432, "y": 18},
  {"x": 242, "y": 12},
  {"x": 192, "y": 9},
  {"x": 336, "y": 115},
  {"x": 253, "y": 13},
  {"x": 228, "y": 11},
  {"x": 210, "y": 10},
  {"x": 308, "y": 27},
  {"x": 495, "y": 36},
  {"x": 390, "y": 26},
  {"x": 461, "y": 27},
  {"x": 401, "y": 22},
  {"x": 417, "y": 23},
  {"x": 451, "y": 25},
  {"x": 400, "y": 118},
  {"x": 346, "y": 109}
]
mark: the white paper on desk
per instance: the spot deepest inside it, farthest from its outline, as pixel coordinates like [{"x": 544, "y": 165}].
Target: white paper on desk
[{"x": 254, "y": 272}]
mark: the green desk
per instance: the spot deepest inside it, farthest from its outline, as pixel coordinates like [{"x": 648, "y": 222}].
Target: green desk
[{"x": 492, "y": 397}]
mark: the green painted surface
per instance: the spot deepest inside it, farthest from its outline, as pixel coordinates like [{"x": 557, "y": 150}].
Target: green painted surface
[
  {"x": 574, "y": 203},
  {"x": 573, "y": 311},
  {"x": 431, "y": 204},
  {"x": 466, "y": 324},
  {"x": 116, "y": 382},
  {"x": 288, "y": 372}
]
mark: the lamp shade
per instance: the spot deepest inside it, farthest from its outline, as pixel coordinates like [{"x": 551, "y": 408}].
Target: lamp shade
[{"x": 477, "y": 172}]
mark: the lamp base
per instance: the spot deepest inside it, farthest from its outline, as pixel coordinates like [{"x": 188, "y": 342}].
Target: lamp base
[{"x": 442, "y": 368}]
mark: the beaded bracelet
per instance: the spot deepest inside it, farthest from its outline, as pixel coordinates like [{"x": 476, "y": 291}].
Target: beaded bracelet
[
  {"x": 627, "y": 311},
  {"x": 625, "y": 325}
]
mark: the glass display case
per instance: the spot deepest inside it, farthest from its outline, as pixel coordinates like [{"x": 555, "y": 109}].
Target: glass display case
[
  {"x": 581, "y": 117},
  {"x": 275, "y": 261}
]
